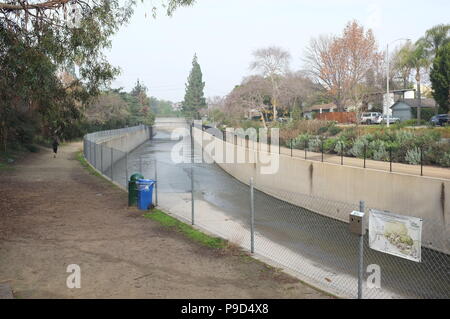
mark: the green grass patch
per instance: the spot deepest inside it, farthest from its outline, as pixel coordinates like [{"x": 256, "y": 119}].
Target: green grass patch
[
  {"x": 86, "y": 165},
  {"x": 187, "y": 230}
]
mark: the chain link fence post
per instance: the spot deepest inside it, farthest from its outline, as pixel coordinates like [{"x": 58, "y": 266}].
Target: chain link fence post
[
  {"x": 365, "y": 154},
  {"x": 421, "y": 160},
  {"x": 101, "y": 157},
  {"x": 306, "y": 146},
  {"x": 291, "y": 148},
  {"x": 321, "y": 148},
  {"x": 362, "y": 208},
  {"x": 252, "y": 217},
  {"x": 126, "y": 169},
  {"x": 192, "y": 178},
  {"x": 90, "y": 152},
  {"x": 112, "y": 164},
  {"x": 390, "y": 159},
  {"x": 156, "y": 183}
]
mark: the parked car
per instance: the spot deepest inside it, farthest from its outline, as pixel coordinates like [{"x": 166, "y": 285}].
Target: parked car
[
  {"x": 282, "y": 119},
  {"x": 440, "y": 119},
  {"x": 370, "y": 117},
  {"x": 383, "y": 119}
]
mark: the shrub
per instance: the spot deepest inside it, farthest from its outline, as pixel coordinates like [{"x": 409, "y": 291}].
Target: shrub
[
  {"x": 413, "y": 156},
  {"x": 315, "y": 144},
  {"x": 330, "y": 144},
  {"x": 340, "y": 147},
  {"x": 425, "y": 113},
  {"x": 322, "y": 130},
  {"x": 404, "y": 136},
  {"x": 299, "y": 141},
  {"x": 444, "y": 160},
  {"x": 437, "y": 153},
  {"x": 357, "y": 149},
  {"x": 333, "y": 130},
  {"x": 412, "y": 122},
  {"x": 378, "y": 150}
]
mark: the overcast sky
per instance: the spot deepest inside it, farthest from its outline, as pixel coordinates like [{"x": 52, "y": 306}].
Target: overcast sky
[{"x": 224, "y": 33}]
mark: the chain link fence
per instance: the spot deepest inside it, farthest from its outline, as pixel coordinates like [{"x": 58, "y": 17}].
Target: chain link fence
[
  {"x": 299, "y": 232},
  {"x": 112, "y": 162}
]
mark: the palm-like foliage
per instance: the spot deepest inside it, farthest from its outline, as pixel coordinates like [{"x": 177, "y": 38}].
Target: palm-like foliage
[{"x": 435, "y": 38}]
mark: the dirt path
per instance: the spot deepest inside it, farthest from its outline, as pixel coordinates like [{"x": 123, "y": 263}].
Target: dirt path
[{"x": 54, "y": 213}]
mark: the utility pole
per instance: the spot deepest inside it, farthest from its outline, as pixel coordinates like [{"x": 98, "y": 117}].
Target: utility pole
[{"x": 388, "y": 97}]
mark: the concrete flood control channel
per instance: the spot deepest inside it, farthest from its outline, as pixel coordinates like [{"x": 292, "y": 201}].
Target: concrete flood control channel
[{"x": 318, "y": 249}]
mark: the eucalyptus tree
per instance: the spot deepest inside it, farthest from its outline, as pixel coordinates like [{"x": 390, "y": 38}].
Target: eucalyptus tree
[{"x": 40, "y": 40}]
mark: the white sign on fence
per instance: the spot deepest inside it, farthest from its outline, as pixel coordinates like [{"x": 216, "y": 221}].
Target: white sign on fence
[{"x": 395, "y": 234}]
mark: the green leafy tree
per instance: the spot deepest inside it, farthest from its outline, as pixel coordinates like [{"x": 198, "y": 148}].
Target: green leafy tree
[
  {"x": 140, "y": 105},
  {"x": 440, "y": 78},
  {"x": 194, "y": 99},
  {"x": 39, "y": 41},
  {"x": 435, "y": 38},
  {"x": 417, "y": 59}
]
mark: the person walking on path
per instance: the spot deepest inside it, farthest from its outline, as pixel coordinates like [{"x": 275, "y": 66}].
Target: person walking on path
[{"x": 55, "y": 145}]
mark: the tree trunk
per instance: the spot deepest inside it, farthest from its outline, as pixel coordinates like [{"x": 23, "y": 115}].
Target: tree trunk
[
  {"x": 274, "y": 104},
  {"x": 4, "y": 136},
  {"x": 263, "y": 119},
  {"x": 419, "y": 98}
]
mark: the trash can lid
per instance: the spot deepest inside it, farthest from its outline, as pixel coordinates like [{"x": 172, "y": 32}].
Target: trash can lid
[
  {"x": 135, "y": 177},
  {"x": 145, "y": 181}
]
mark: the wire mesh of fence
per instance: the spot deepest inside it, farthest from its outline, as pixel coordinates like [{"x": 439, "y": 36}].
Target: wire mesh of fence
[{"x": 102, "y": 135}]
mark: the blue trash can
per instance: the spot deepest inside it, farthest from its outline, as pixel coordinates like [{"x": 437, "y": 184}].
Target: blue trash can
[{"x": 145, "y": 193}]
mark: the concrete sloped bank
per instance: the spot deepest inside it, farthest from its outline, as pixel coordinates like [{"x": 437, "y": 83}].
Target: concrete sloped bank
[{"x": 309, "y": 184}]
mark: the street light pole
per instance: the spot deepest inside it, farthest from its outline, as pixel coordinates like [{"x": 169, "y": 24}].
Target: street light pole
[{"x": 388, "y": 98}]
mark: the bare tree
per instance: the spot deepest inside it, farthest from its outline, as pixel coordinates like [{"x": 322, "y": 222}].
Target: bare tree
[
  {"x": 249, "y": 97},
  {"x": 272, "y": 63},
  {"x": 340, "y": 63},
  {"x": 295, "y": 89}
]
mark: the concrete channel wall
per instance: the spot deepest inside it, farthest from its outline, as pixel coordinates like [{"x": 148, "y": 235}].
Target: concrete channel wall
[
  {"x": 127, "y": 141},
  {"x": 327, "y": 188},
  {"x": 108, "y": 147}
]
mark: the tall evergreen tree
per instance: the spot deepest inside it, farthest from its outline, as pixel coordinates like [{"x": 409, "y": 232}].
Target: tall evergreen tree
[
  {"x": 194, "y": 99},
  {"x": 440, "y": 78}
]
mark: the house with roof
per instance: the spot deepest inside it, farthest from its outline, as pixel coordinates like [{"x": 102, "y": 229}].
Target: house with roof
[
  {"x": 406, "y": 109},
  {"x": 309, "y": 112}
]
